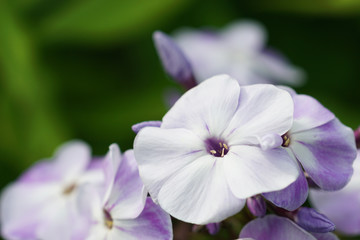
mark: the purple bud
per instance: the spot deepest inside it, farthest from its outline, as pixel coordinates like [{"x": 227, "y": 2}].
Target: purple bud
[
  {"x": 256, "y": 205},
  {"x": 312, "y": 221},
  {"x": 137, "y": 127},
  {"x": 173, "y": 60},
  {"x": 357, "y": 137},
  {"x": 213, "y": 228}
]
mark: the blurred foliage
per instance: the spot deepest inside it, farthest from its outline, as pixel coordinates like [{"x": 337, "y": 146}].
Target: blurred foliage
[
  {"x": 317, "y": 7},
  {"x": 87, "y": 69}
]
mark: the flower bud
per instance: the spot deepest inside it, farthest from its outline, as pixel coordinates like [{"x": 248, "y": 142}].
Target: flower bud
[
  {"x": 213, "y": 228},
  {"x": 173, "y": 60},
  {"x": 357, "y": 137},
  {"x": 312, "y": 221},
  {"x": 256, "y": 205}
]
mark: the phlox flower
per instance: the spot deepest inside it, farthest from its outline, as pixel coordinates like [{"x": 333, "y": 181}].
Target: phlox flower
[
  {"x": 42, "y": 204},
  {"x": 238, "y": 50},
  {"x": 324, "y": 147},
  {"x": 342, "y": 207},
  {"x": 122, "y": 210},
  {"x": 273, "y": 227},
  {"x": 207, "y": 156}
]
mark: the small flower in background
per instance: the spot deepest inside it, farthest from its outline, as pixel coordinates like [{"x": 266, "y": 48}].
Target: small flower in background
[
  {"x": 342, "y": 207},
  {"x": 273, "y": 227},
  {"x": 75, "y": 197},
  {"x": 323, "y": 146},
  {"x": 42, "y": 204},
  {"x": 124, "y": 211},
  {"x": 238, "y": 50},
  {"x": 209, "y": 146}
]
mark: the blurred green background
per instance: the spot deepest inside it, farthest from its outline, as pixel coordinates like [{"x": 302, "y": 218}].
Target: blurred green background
[{"x": 87, "y": 69}]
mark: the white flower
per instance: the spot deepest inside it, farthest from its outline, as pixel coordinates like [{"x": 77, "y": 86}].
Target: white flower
[{"x": 207, "y": 156}]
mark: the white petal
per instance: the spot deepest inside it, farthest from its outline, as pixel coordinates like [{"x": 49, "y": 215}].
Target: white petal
[
  {"x": 279, "y": 70},
  {"x": 152, "y": 224},
  {"x": 72, "y": 159},
  {"x": 111, "y": 164},
  {"x": 21, "y": 205},
  {"x": 206, "y": 52},
  {"x": 263, "y": 109},
  {"x": 199, "y": 193},
  {"x": 244, "y": 36},
  {"x": 128, "y": 194},
  {"x": 251, "y": 171},
  {"x": 207, "y": 108},
  {"x": 98, "y": 232},
  {"x": 160, "y": 153}
]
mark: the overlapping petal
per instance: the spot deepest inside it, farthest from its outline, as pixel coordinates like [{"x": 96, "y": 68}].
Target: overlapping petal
[
  {"x": 111, "y": 164},
  {"x": 71, "y": 159},
  {"x": 153, "y": 224},
  {"x": 128, "y": 194},
  {"x": 263, "y": 109},
  {"x": 206, "y": 109},
  {"x": 199, "y": 193},
  {"x": 326, "y": 153},
  {"x": 309, "y": 113},
  {"x": 291, "y": 197},
  {"x": 164, "y": 152},
  {"x": 250, "y": 171}
]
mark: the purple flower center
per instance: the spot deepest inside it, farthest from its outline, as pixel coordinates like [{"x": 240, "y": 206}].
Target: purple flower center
[
  {"x": 108, "y": 219},
  {"x": 217, "y": 147},
  {"x": 286, "y": 140}
]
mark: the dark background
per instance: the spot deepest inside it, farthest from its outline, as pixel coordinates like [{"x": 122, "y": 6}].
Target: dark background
[{"x": 87, "y": 69}]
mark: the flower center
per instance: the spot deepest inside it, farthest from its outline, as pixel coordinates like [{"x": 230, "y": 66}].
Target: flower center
[
  {"x": 286, "y": 140},
  {"x": 108, "y": 219},
  {"x": 217, "y": 147},
  {"x": 69, "y": 189}
]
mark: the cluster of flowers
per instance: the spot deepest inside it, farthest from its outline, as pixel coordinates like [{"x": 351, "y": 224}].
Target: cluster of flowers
[
  {"x": 223, "y": 145},
  {"x": 75, "y": 196}
]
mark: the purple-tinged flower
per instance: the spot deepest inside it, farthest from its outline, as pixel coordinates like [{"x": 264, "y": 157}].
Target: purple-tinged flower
[
  {"x": 312, "y": 221},
  {"x": 206, "y": 157},
  {"x": 173, "y": 60},
  {"x": 122, "y": 210},
  {"x": 342, "y": 207},
  {"x": 273, "y": 227},
  {"x": 256, "y": 206},
  {"x": 42, "y": 204},
  {"x": 323, "y": 146},
  {"x": 238, "y": 50}
]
